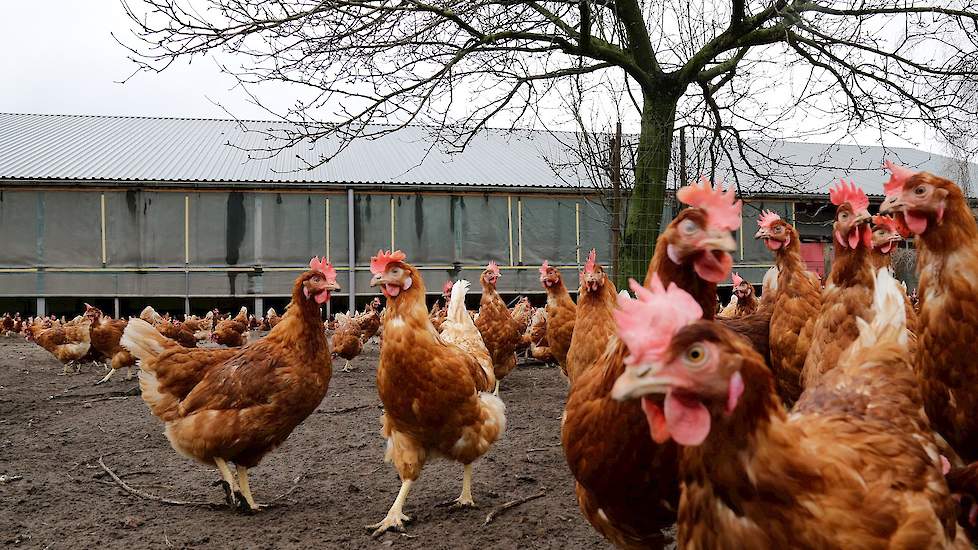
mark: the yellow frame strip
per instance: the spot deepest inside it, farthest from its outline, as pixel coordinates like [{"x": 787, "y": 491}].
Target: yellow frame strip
[
  {"x": 104, "y": 251},
  {"x": 509, "y": 227}
]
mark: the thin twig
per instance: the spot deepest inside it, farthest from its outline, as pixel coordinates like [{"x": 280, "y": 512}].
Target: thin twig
[
  {"x": 346, "y": 409},
  {"x": 147, "y": 496},
  {"x": 541, "y": 449},
  {"x": 513, "y": 504},
  {"x": 115, "y": 393},
  {"x": 295, "y": 485}
]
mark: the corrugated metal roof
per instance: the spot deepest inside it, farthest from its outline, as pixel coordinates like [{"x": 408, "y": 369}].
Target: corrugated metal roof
[{"x": 143, "y": 149}]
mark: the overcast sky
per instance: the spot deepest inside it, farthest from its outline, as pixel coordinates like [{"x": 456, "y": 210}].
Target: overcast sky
[{"x": 59, "y": 57}]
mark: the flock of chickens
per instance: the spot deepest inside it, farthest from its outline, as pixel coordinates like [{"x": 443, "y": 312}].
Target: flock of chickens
[{"x": 835, "y": 414}]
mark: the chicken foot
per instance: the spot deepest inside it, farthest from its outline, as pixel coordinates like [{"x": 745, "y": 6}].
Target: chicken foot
[
  {"x": 395, "y": 519},
  {"x": 346, "y": 368},
  {"x": 230, "y": 487},
  {"x": 246, "y": 489},
  {"x": 464, "y": 500}
]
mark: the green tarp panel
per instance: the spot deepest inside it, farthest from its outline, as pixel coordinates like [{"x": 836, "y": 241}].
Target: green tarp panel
[
  {"x": 70, "y": 228},
  {"x": 595, "y": 231},
  {"x": 144, "y": 228},
  {"x": 549, "y": 231},
  {"x": 222, "y": 229},
  {"x": 19, "y": 216},
  {"x": 372, "y": 226},
  {"x": 480, "y": 223},
  {"x": 294, "y": 228},
  {"x": 423, "y": 228}
]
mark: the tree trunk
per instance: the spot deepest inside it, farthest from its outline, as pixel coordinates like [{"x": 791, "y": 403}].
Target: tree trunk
[{"x": 647, "y": 201}]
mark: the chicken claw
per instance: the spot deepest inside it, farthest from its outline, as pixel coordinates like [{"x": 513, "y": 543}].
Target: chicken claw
[
  {"x": 390, "y": 523},
  {"x": 230, "y": 487},
  {"x": 395, "y": 519}
]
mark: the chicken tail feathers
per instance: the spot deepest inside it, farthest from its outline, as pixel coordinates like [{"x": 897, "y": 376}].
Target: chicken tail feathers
[
  {"x": 456, "y": 304},
  {"x": 144, "y": 341},
  {"x": 889, "y": 322}
]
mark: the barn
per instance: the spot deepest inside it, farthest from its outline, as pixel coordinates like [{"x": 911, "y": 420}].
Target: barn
[{"x": 190, "y": 214}]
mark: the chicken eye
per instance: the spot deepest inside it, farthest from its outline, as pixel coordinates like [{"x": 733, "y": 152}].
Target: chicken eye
[
  {"x": 695, "y": 356},
  {"x": 843, "y": 216},
  {"x": 316, "y": 279},
  {"x": 688, "y": 227},
  {"x": 919, "y": 190},
  {"x": 779, "y": 229}
]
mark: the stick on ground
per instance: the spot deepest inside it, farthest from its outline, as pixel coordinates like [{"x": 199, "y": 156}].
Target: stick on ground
[
  {"x": 147, "y": 496},
  {"x": 513, "y": 504}
]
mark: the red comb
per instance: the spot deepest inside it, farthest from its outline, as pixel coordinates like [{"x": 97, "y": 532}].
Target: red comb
[
  {"x": 493, "y": 267},
  {"x": 647, "y": 324},
  {"x": 737, "y": 279},
  {"x": 843, "y": 193},
  {"x": 767, "y": 219},
  {"x": 378, "y": 264},
  {"x": 591, "y": 261},
  {"x": 323, "y": 267},
  {"x": 722, "y": 208},
  {"x": 544, "y": 267},
  {"x": 898, "y": 176}
]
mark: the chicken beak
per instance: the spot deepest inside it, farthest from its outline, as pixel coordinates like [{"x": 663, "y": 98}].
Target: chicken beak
[
  {"x": 861, "y": 218},
  {"x": 718, "y": 240},
  {"x": 891, "y": 204},
  {"x": 332, "y": 286},
  {"x": 641, "y": 380},
  {"x": 762, "y": 233},
  {"x": 378, "y": 280}
]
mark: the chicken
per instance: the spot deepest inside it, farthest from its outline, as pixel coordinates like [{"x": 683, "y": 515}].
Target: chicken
[
  {"x": 272, "y": 318},
  {"x": 346, "y": 339},
  {"x": 535, "y": 337},
  {"x": 230, "y": 332},
  {"x": 369, "y": 320},
  {"x": 855, "y": 466},
  {"x": 105, "y": 335},
  {"x": 522, "y": 312},
  {"x": 849, "y": 292},
  {"x": 175, "y": 330},
  {"x": 888, "y": 232},
  {"x": 6, "y": 325},
  {"x": 237, "y": 404},
  {"x": 935, "y": 210},
  {"x": 500, "y": 332},
  {"x": 69, "y": 342},
  {"x": 436, "y": 396},
  {"x": 460, "y": 329},
  {"x": 746, "y": 300},
  {"x": 628, "y": 485},
  {"x": 149, "y": 315},
  {"x": 729, "y": 311},
  {"x": 796, "y": 296},
  {"x": 596, "y": 299},
  {"x": 561, "y": 314}
]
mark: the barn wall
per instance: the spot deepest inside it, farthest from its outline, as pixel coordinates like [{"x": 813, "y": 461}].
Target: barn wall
[{"x": 133, "y": 243}]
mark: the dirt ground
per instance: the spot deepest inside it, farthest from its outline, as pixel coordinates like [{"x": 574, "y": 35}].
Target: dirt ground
[{"x": 54, "y": 494}]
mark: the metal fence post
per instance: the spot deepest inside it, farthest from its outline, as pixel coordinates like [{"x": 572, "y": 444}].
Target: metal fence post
[{"x": 352, "y": 253}]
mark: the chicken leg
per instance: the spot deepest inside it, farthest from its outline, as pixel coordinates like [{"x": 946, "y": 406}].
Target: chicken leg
[
  {"x": 346, "y": 368},
  {"x": 231, "y": 487},
  {"x": 395, "y": 518},
  {"x": 464, "y": 500},
  {"x": 245, "y": 488}
]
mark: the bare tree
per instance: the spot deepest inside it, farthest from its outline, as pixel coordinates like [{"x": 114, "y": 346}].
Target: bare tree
[{"x": 459, "y": 66}]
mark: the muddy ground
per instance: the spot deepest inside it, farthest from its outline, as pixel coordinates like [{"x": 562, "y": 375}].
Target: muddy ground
[{"x": 54, "y": 494}]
